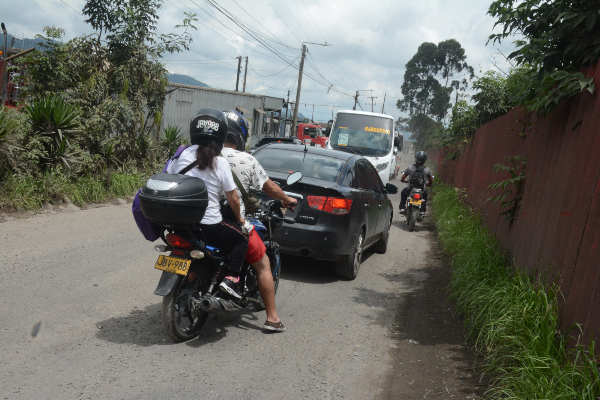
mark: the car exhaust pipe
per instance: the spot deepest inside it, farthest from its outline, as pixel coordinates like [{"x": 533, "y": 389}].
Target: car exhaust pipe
[
  {"x": 305, "y": 253},
  {"x": 217, "y": 305}
]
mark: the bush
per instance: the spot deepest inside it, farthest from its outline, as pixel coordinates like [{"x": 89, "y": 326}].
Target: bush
[
  {"x": 511, "y": 317},
  {"x": 21, "y": 193}
]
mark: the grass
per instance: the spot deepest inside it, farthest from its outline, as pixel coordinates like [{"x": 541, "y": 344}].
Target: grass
[
  {"x": 511, "y": 318},
  {"x": 30, "y": 193}
]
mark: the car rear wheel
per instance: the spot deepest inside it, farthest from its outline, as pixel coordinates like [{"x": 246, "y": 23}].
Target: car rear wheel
[
  {"x": 348, "y": 269},
  {"x": 381, "y": 245}
]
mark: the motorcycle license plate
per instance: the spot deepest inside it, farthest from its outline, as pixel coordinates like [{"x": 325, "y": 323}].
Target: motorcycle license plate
[
  {"x": 173, "y": 265},
  {"x": 417, "y": 202}
]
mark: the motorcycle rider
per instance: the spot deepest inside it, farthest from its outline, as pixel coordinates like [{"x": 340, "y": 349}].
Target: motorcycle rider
[
  {"x": 208, "y": 132},
  {"x": 420, "y": 158},
  {"x": 251, "y": 173}
]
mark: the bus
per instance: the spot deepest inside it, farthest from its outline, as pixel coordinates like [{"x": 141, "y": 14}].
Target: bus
[{"x": 370, "y": 135}]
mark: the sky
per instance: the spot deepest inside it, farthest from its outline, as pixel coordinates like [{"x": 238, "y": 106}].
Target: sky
[{"x": 371, "y": 41}]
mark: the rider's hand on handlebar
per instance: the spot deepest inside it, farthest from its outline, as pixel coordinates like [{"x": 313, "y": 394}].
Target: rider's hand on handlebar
[{"x": 289, "y": 203}]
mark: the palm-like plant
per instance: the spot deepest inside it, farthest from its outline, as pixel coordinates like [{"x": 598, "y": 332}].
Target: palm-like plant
[
  {"x": 56, "y": 121},
  {"x": 172, "y": 138}
]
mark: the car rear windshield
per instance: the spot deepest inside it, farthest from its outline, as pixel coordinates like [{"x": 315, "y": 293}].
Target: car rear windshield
[
  {"x": 264, "y": 141},
  {"x": 311, "y": 165}
]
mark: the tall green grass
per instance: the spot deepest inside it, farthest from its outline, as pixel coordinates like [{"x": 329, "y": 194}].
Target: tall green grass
[
  {"x": 23, "y": 193},
  {"x": 511, "y": 318}
]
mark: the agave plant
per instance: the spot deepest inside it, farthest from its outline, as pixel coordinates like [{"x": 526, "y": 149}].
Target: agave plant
[
  {"x": 172, "y": 138},
  {"x": 56, "y": 121}
]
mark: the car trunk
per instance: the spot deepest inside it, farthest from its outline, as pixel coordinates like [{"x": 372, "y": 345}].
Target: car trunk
[{"x": 303, "y": 213}]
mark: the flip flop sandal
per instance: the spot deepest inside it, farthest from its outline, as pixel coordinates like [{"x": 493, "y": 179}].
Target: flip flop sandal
[{"x": 272, "y": 326}]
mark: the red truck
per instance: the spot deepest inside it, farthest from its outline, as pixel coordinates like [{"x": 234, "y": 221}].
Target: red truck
[{"x": 313, "y": 134}]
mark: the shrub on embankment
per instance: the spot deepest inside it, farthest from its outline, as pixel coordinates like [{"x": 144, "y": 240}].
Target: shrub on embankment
[
  {"x": 511, "y": 318},
  {"x": 19, "y": 193}
]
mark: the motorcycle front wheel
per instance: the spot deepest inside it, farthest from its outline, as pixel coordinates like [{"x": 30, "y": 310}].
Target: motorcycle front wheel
[
  {"x": 181, "y": 324},
  {"x": 414, "y": 212}
]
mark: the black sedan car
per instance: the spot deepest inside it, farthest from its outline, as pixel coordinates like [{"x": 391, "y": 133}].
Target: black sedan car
[{"x": 344, "y": 208}]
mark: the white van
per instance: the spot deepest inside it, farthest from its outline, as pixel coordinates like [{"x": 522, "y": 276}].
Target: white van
[{"x": 369, "y": 134}]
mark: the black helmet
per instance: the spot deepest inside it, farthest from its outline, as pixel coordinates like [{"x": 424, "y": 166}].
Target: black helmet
[
  {"x": 208, "y": 123},
  {"x": 237, "y": 128},
  {"x": 420, "y": 157}
]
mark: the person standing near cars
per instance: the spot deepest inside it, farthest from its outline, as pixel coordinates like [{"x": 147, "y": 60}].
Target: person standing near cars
[{"x": 251, "y": 174}]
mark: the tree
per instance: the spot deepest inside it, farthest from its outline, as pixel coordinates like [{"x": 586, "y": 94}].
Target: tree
[
  {"x": 556, "y": 39},
  {"x": 422, "y": 90},
  {"x": 422, "y": 129}
]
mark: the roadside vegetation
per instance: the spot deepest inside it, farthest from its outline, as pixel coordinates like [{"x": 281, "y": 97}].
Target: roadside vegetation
[
  {"x": 555, "y": 41},
  {"x": 511, "y": 317},
  {"x": 89, "y": 128}
]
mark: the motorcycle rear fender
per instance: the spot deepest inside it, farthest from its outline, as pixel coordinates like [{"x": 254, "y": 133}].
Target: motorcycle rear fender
[{"x": 168, "y": 281}]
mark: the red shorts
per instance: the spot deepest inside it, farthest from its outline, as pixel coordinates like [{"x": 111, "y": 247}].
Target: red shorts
[{"x": 256, "y": 248}]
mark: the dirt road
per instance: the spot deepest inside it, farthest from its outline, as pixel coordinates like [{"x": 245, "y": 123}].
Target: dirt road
[{"x": 83, "y": 281}]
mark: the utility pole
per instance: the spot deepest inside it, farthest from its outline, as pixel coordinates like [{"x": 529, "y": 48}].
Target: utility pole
[
  {"x": 312, "y": 118},
  {"x": 383, "y": 106},
  {"x": 245, "y": 73},
  {"x": 3, "y": 79},
  {"x": 372, "y": 104},
  {"x": 239, "y": 70},
  {"x": 355, "y": 100},
  {"x": 287, "y": 105},
  {"x": 295, "y": 119}
]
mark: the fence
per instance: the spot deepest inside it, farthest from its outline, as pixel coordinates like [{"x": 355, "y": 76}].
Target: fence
[{"x": 557, "y": 232}]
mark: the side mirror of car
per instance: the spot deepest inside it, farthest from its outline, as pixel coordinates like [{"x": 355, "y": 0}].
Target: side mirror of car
[
  {"x": 293, "y": 178},
  {"x": 395, "y": 151},
  {"x": 391, "y": 189}
]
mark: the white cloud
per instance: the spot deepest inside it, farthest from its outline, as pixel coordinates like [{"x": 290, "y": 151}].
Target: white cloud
[{"x": 371, "y": 40}]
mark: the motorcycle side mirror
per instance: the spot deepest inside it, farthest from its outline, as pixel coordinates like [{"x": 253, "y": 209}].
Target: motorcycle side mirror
[
  {"x": 293, "y": 178},
  {"x": 391, "y": 189}
]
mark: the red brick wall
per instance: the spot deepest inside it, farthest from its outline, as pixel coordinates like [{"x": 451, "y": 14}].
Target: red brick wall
[{"x": 558, "y": 229}]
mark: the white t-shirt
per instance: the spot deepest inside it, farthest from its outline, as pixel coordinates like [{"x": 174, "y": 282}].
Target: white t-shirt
[
  {"x": 217, "y": 180},
  {"x": 247, "y": 169}
]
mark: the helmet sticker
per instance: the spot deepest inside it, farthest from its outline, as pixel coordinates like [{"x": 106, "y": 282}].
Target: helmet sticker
[{"x": 207, "y": 124}]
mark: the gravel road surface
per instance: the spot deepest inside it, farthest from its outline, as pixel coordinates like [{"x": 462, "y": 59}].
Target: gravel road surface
[{"x": 79, "y": 320}]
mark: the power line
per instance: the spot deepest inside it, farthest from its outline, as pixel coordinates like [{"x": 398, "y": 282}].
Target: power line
[{"x": 62, "y": 1}]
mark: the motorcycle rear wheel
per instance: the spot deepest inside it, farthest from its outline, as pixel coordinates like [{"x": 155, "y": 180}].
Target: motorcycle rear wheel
[
  {"x": 178, "y": 320},
  {"x": 412, "y": 218}
]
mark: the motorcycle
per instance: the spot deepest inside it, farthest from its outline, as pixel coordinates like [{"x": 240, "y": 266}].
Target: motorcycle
[
  {"x": 194, "y": 270},
  {"x": 414, "y": 202}
]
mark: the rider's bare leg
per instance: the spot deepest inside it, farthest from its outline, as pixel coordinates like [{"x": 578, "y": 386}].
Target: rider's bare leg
[{"x": 266, "y": 287}]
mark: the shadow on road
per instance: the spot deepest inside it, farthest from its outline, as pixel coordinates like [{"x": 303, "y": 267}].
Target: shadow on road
[
  {"x": 307, "y": 270},
  {"x": 429, "y": 352},
  {"x": 143, "y": 327}
]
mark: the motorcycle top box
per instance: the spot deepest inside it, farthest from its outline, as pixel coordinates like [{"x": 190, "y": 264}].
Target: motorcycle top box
[{"x": 174, "y": 199}]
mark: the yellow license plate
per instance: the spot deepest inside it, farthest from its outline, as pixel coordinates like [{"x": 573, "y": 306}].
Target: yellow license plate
[
  {"x": 417, "y": 202},
  {"x": 174, "y": 265}
]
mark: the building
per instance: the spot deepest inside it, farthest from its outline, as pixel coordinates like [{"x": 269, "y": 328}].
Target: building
[{"x": 183, "y": 101}]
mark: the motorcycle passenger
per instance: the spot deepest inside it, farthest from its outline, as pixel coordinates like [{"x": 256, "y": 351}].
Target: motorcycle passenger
[
  {"x": 208, "y": 132},
  {"x": 419, "y": 169},
  {"x": 251, "y": 174}
]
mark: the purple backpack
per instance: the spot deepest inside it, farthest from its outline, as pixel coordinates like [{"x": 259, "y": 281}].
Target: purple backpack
[{"x": 150, "y": 230}]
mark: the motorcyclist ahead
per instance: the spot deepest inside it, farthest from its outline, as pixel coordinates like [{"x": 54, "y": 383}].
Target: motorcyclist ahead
[
  {"x": 419, "y": 177},
  {"x": 208, "y": 132},
  {"x": 251, "y": 174}
]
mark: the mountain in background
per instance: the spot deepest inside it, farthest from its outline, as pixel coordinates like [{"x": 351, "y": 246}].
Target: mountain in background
[{"x": 185, "y": 80}]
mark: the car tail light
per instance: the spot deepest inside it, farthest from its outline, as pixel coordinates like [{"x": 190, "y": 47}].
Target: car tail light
[
  {"x": 332, "y": 205},
  {"x": 316, "y": 202},
  {"x": 178, "y": 241},
  {"x": 416, "y": 196}
]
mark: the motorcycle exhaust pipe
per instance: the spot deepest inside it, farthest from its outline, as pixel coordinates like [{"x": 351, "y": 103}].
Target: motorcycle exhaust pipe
[{"x": 217, "y": 305}]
